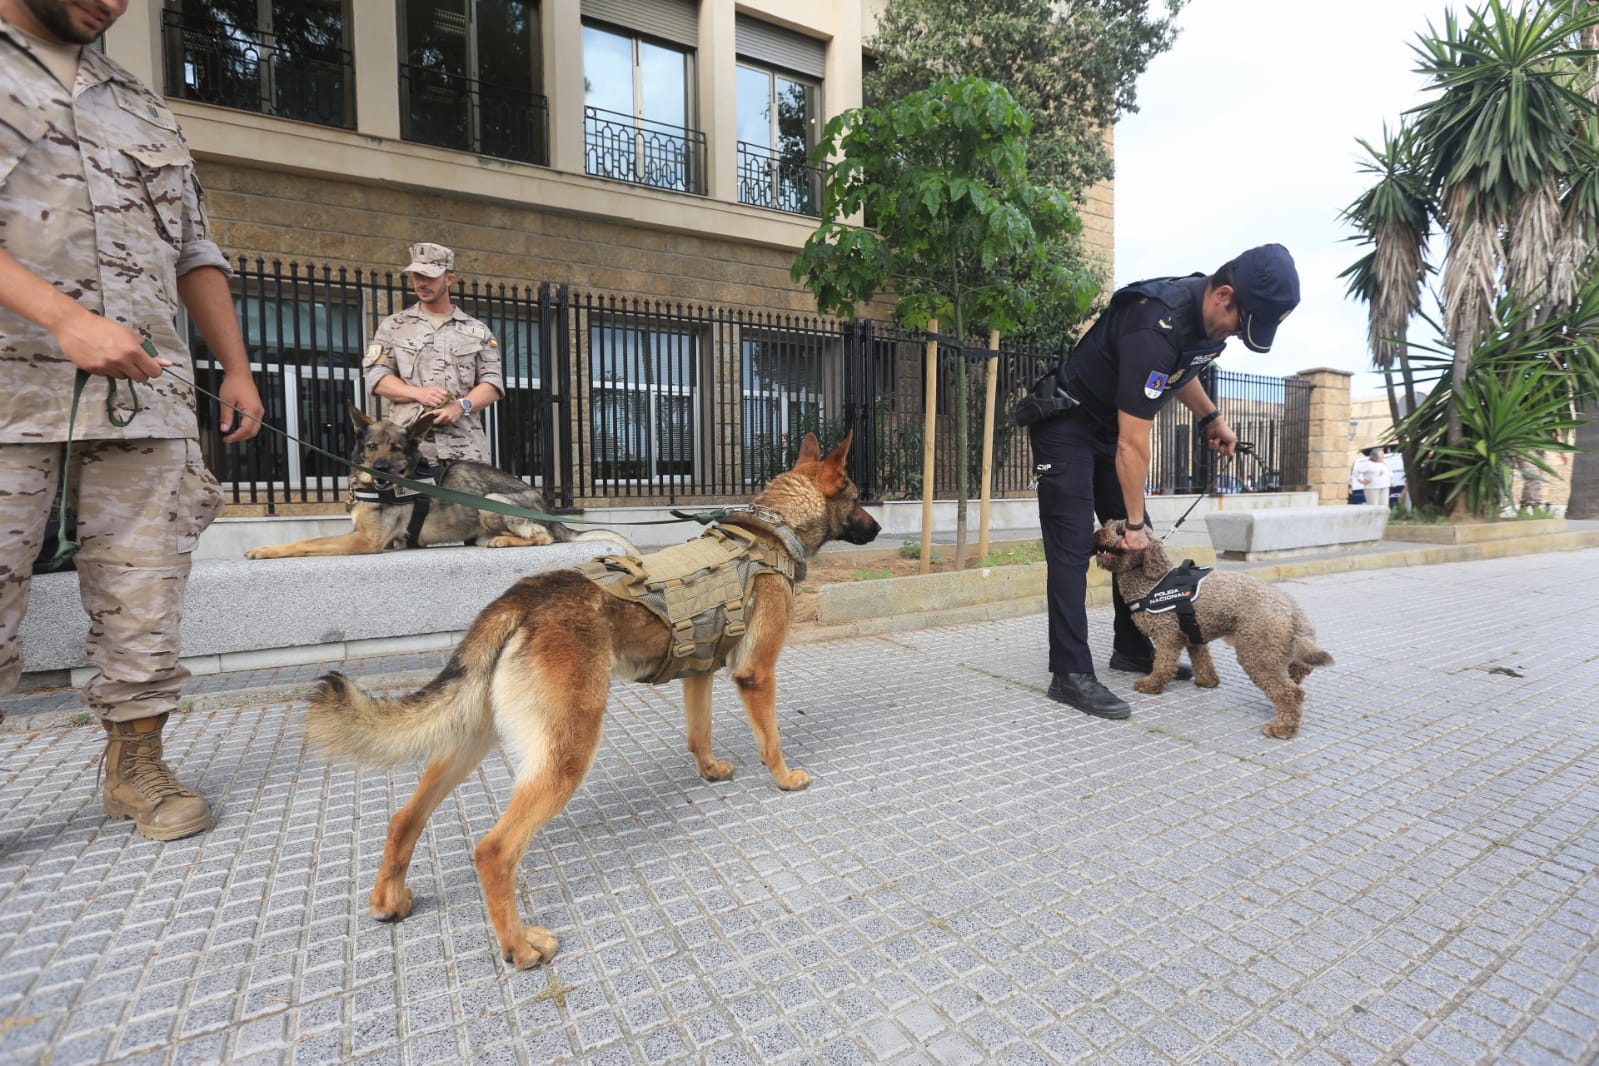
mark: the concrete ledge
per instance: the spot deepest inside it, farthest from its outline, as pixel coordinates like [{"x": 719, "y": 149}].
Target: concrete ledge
[
  {"x": 247, "y": 614},
  {"x": 947, "y": 594},
  {"x": 1267, "y": 534},
  {"x": 1475, "y": 532}
]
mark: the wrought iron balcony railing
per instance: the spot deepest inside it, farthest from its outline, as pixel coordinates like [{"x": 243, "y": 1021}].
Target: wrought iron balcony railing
[
  {"x": 781, "y": 181},
  {"x": 252, "y": 70},
  {"x": 643, "y": 152},
  {"x": 454, "y": 111}
]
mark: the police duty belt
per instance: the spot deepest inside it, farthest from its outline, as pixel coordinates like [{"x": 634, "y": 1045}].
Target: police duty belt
[{"x": 1177, "y": 591}]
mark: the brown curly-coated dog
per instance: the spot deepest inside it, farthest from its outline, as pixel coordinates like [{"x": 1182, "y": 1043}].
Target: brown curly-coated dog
[{"x": 1275, "y": 642}]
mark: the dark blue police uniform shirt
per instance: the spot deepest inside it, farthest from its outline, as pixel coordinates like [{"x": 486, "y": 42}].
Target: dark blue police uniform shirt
[{"x": 1147, "y": 361}]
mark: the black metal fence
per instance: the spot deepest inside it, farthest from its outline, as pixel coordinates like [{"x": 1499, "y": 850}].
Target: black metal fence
[
  {"x": 309, "y": 76},
  {"x": 777, "y": 180},
  {"x": 618, "y": 401},
  {"x": 643, "y": 152},
  {"x": 454, "y": 111}
]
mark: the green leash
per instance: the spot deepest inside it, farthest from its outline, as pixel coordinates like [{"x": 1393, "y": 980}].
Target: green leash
[{"x": 66, "y": 547}]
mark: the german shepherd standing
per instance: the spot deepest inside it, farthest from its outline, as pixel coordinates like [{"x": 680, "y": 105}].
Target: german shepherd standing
[
  {"x": 382, "y": 445},
  {"x": 534, "y": 670}
]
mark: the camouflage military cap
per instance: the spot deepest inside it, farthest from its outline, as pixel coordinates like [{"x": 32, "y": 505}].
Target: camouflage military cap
[{"x": 430, "y": 260}]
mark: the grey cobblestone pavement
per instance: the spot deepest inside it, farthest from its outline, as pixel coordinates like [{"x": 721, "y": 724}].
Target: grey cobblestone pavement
[{"x": 976, "y": 875}]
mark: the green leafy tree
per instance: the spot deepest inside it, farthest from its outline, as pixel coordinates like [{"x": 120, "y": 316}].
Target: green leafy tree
[
  {"x": 1073, "y": 65},
  {"x": 1500, "y": 160},
  {"x": 957, "y": 225}
]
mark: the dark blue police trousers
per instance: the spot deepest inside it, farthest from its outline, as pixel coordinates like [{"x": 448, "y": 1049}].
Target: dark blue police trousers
[{"x": 1079, "y": 482}]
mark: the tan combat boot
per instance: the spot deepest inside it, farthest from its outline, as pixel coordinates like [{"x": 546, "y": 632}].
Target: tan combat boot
[{"x": 140, "y": 786}]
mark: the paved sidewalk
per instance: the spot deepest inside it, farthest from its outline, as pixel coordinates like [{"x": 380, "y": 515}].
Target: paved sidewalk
[{"x": 976, "y": 875}]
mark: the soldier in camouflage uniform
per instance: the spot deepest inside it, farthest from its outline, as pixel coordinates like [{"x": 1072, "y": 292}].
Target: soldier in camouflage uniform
[
  {"x": 102, "y": 233},
  {"x": 434, "y": 357}
]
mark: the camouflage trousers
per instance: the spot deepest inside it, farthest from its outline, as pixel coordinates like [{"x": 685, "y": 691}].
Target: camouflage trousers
[{"x": 141, "y": 507}]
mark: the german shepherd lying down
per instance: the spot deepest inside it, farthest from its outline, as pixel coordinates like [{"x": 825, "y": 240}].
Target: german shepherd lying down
[
  {"x": 379, "y": 525},
  {"x": 534, "y": 670}
]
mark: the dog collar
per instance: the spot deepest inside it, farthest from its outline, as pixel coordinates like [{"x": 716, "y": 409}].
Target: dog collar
[{"x": 779, "y": 528}]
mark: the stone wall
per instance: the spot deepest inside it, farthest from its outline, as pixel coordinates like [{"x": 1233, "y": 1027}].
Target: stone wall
[
  {"x": 283, "y": 216},
  {"x": 1331, "y": 453}
]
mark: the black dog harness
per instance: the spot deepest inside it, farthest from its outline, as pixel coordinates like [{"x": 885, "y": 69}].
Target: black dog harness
[
  {"x": 1177, "y": 591},
  {"x": 419, "y": 502}
]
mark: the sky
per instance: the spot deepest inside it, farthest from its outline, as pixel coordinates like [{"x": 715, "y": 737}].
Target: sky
[{"x": 1246, "y": 134}]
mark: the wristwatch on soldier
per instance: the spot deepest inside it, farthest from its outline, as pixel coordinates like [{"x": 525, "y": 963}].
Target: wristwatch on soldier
[{"x": 466, "y": 404}]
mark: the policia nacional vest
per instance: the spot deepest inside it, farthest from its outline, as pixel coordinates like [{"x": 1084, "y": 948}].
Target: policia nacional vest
[{"x": 1087, "y": 375}]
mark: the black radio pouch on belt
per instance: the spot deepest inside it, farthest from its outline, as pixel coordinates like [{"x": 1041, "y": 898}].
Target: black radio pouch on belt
[{"x": 1048, "y": 399}]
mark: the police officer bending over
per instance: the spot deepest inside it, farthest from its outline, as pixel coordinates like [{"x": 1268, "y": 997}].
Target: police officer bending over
[{"x": 1090, "y": 420}]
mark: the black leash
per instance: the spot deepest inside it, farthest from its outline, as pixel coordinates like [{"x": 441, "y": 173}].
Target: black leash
[
  {"x": 66, "y": 548},
  {"x": 1243, "y": 447}
]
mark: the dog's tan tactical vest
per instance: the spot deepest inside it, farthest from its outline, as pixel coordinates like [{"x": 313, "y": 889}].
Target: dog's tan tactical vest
[{"x": 701, "y": 590}]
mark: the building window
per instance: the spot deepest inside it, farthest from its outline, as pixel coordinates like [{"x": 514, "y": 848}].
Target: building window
[
  {"x": 782, "y": 394},
  {"x": 637, "y": 110},
  {"x": 642, "y": 407},
  {"x": 469, "y": 76},
  {"x": 776, "y": 132},
  {"x": 288, "y": 58}
]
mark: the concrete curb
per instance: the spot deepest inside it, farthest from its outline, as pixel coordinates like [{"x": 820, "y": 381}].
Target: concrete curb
[{"x": 880, "y": 623}]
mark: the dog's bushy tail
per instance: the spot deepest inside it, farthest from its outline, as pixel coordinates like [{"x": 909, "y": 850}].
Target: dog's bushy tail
[
  {"x": 444, "y": 714},
  {"x": 628, "y": 547},
  {"x": 1307, "y": 651}
]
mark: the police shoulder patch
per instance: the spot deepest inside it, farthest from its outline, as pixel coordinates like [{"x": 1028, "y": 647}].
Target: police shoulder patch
[{"x": 1155, "y": 385}]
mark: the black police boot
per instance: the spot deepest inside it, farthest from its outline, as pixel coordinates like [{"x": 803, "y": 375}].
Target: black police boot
[
  {"x": 1084, "y": 692},
  {"x": 1132, "y": 664}
]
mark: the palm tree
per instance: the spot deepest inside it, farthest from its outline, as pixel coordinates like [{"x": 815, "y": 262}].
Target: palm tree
[
  {"x": 1584, "y": 501},
  {"x": 1501, "y": 138},
  {"x": 1394, "y": 216},
  {"x": 1497, "y": 158}
]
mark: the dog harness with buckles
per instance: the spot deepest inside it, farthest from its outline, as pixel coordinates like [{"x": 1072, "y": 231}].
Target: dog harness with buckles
[
  {"x": 419, "y": 502},
  {"x": 1177, "y": 591},
  {"x": 701, "y": 590}
]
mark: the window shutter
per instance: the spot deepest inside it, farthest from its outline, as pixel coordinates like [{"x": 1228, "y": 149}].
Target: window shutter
[
  {"x": 672, "y": 20},
  {"x": 766, "y": 43}
]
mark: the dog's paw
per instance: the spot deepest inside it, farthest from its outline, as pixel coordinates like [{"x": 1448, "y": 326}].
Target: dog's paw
[
  {"x": 260, "y": 553},
  {"x": 796, "y": 780},
  {"x": 716, "y": 770},
  {"x": 389, "y": 905},
  {"x": 1149, "y": 686},
  {"x": 1206, "y": 678},
  {"x": 536, "y": 946},
  {"x": 1279, "y": 730}
]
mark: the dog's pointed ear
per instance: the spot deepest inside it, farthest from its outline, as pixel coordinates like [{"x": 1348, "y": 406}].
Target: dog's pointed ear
[
  {"x": 837, "y": 456},
  {"x": 360, "y": 418},
  {"x": 810, "y": 450},
  {"x": 420, "y": 427}
]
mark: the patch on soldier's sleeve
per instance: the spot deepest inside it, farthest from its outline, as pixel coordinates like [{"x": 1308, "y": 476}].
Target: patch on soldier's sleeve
[
  {"x": 492, "y": 342},
  {"x": 374, "y": 354},
  {"x": 136, "y": 103}
]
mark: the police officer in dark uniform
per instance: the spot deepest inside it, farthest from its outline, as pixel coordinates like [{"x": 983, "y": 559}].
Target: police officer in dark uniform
[{"x": 1090, "y": 421}]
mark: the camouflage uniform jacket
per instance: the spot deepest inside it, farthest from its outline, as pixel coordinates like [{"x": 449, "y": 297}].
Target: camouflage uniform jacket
[
  {"x": 459, "y": 354},
  {"x": 97, "y": 196}
]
